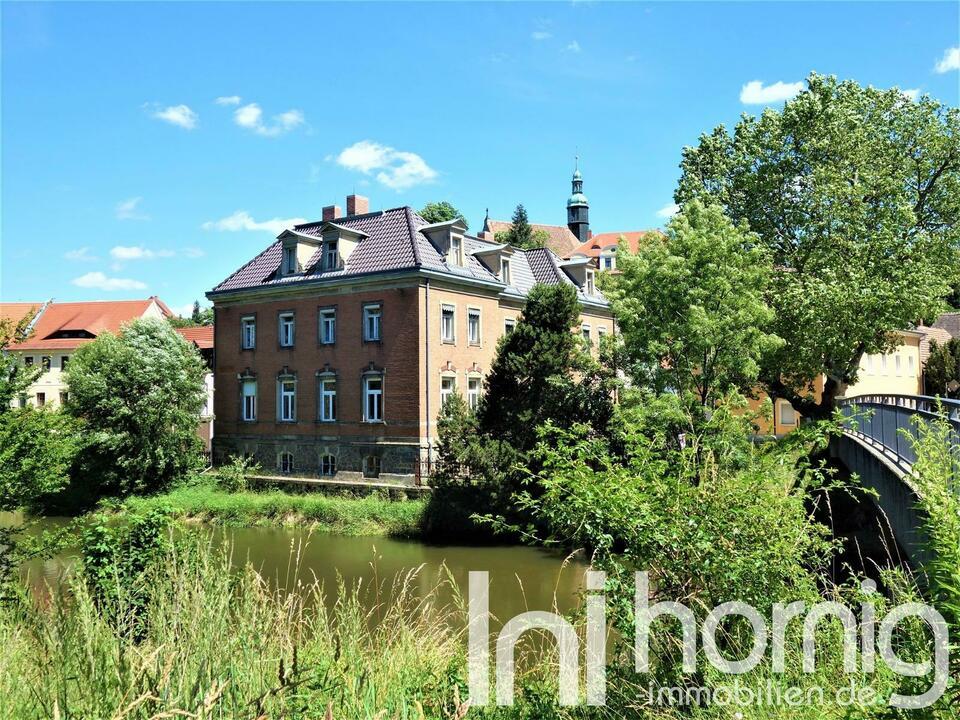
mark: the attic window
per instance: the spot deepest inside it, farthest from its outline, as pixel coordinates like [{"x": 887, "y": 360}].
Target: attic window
[
  {"x": 505, "y": 270},
  {"x": 331, "y": 255},
  {"x": 591, "y": 284},
  {"x": 456, "y": 249},
  {"x": 289, "y": 265}
]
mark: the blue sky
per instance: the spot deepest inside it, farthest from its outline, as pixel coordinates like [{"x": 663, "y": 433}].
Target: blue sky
[{"x": 123, "y": 175}]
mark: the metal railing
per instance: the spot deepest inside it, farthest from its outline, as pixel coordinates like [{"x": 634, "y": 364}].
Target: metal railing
[{"x": 884, "y": 422}]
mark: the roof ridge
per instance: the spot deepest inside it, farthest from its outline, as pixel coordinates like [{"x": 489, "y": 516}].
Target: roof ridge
[
  {"x": 361, "y": 216},
  {"x": 247, "y": 264}
]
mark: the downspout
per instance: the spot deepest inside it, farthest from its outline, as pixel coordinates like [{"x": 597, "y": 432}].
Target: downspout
[{"x": 426, "y": 375}]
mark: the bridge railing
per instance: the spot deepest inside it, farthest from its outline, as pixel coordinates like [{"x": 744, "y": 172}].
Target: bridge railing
[{"x": 884, "y": 421}]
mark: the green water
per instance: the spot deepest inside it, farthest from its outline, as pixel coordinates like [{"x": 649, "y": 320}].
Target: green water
[{"x": 521, "y": 578}]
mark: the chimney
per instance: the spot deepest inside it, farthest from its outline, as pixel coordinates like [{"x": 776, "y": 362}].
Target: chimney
[
  {"x": 357, "y": 205},
  {"x": 331, "y": 212}
]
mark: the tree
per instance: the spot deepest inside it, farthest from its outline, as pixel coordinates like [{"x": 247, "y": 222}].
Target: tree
[
  {"x": 198, "y": 317},
  {"x": 520, "y": 233},
  {"x": 941, "y": 372},
  {"x": 15, "y": 377},
  {"x": 692, "y": 310},
  {"x": 140, "y": 394},
  {"x": 855, "y": 192},
  {"x": 442, "y": 211}
]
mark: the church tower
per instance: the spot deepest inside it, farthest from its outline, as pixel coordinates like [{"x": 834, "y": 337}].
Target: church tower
[{"x": 578, "y": 208}]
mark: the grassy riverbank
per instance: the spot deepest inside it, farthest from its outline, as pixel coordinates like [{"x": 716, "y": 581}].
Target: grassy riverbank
[{"x": 342, "y": 514}]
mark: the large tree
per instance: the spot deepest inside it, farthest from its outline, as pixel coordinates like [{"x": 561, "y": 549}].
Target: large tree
[
  {"x": 941, "y": 372},
  {"x": 692, "y": 309},
  {"x": 855, "y": 192},
  {"x": 442, "y": 211},
  {"x": 140, "y": 393}
]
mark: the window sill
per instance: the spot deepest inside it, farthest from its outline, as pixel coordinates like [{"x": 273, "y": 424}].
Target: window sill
[
  {"x": 326, "y": 422},
  {"x": 374, "y": 422},
  {"x": 448, "y": 342},
  {"x": 286, "y": 422},
  {"x": 475, "y": 344}
]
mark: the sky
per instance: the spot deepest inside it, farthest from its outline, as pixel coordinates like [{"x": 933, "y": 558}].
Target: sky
[{"x": 153, "y": 148}]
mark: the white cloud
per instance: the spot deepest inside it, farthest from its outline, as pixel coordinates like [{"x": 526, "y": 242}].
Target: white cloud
[
  {"x": 668, "y": 211},
  {"x": 193, "y": 252},
  {"x": 242, "y": 220},
  {"x": 101, "y": 282},
  {"x": 251, "y": 117},
  {"x": 79, "y": 255},
  {"x": 180, "y": 115},
  {"x": 573, "y": 46},
  {"x": 121, "y": 252},
  {"x": 912, "y": 93},
  {"x": 398, "y": 169},
  {"x": 949, "y": 61},
  {"x": 541, "y": 35},
  {"x": 756, "y": 93},
  {"x": 127, "y": 210},
  {"x": 228, "y": 100}
]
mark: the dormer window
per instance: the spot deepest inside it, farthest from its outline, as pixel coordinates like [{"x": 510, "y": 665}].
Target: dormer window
[
  {"x": 331, "y": 254},
  {"x": 591, "y": 285},
  {"x": 290, "y": 265},
  {"x": 505, "y": 270},
  {"x": 456, "y": 250}
]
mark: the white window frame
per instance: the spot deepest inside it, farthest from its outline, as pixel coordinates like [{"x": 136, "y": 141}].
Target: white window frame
[
  {"x": 328, "y": 465},
  {"x": 787, "y": 411},
  {"x": 447, "y": 310},
  {"x": 287, "y": 320},
  {"x": 280, "y": 459},
  {"x": 248, "y": 410},
  {"x": 327, "y": 391},
  {"x": 601, "y": 332},
  {"x": 328, "y": 319},
  {"x": 447, "y": 392},
  {"x": 474, "y": 313},
  {"x": 248, "y": 332},
  {"x": 331, "y": 255},
  {"x": 505, "y": 277},
  {"x": 368, "y": 393},
  {"x": 608, "y": 261},
  {"x": 474, "y": 395},
  {"x": 456, "y": 249},
  {"x": 509, "y": 325},
  {"x": 286, "y": 412},
  {"x": 290, "y": 264},
  {"x": 591, "y": 283},
  {"x": 372, "y": 313},
  {"x": 585, "y": 333}
]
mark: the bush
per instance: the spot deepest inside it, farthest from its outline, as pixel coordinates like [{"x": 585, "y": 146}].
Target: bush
[{"x": 232, "y": 477}]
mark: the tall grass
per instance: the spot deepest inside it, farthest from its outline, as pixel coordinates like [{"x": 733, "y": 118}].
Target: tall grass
[
  {"x": 213, "y": 643},
  {"x": 344, "y": 515}
]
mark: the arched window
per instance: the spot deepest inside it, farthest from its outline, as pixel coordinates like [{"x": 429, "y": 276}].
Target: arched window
[
  {"x": 328, "y": 465},
  {"x": 371, "y": 466},
  {"x": 285, "y": 462}
]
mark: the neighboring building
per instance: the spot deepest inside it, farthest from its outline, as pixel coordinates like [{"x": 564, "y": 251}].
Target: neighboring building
[
  {"x": 60, "y": 328},
  {"x": 561, "y": 239},
  {"x": 602, "y": 247},
  {"x": 338, "y": 343},
  {"x": 949, "y": 322},
  {"x": 202, "y": 339}
]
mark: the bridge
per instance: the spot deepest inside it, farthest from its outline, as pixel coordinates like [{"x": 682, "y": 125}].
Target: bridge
[{"x": 877, "y": 445}]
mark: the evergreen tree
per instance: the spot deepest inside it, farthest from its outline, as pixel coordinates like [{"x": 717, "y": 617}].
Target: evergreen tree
[
  {"x": 941, "y": 372},
  {"x": 521, "y": 232}
]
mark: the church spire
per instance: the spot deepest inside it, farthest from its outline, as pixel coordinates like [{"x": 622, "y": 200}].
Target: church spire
[{"x": 578, "y": 207}]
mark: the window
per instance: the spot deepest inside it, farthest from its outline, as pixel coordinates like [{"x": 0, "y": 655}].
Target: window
[
  {"x": 473, "y": 327},
  {"x": 910, "y": 363},
  {"x": 505, "y": 270},
  {"x": 448, "y": 386},
  {"x": 869, "y": 364},
  {"x": 508, "y": 325},
  {"x": 591, "y": 284},
  {"x": 285, "y": 463},
  {"x": 64, "y": 359},
  {"x": 788, "y": 415},
  {"x": 286, "y": 325},
  {"x": 248, "y": 333},
  {"x": 64, "y": 398},
  {"x": 585, "y": 332},
  {"x": 601, "y": 332},
  {"x": 287, "y": 405},
  {"x": 248, "y": 400},
  {"x": 290, "y": 265},
  {"x": 328, "y": 326},
  {"x": 608, "y": 261},
  {"x": 28, "y": 360},
  {"x": 371, "y": 466},
  {"x": 371, "y": 322},
  {"x": 45, "y": 362},
  {"x": 331, "y": 255},
  {"x": 883, "y": 364},
  {"x": 473, "y": 392},
  {"x": 448, "y": 323},
  {"x": 456, "y": 250},
  {"x": 373, "y": 398},
  {"x": 41, "y": 399},
  {"x": 23, "y": 400},
  {"x": 327, "y": 399},
  {"x": 897, "y": 360},
  {"x": 328, "y": 465}
]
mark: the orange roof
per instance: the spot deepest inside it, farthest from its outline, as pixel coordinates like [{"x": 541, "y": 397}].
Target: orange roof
[
  {"x": 561, "y": 240},
  {"x": 83, "y": 321},
  {"x": 201, "y": 336},
  {"x": 595, "y": 245},
  {"x": 15, "y": 312}
]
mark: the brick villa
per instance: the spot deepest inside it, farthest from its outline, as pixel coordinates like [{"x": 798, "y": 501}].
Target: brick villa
[{"x": 336, "y": 346}]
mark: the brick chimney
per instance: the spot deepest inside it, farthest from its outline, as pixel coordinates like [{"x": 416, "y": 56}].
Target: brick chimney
[
  {"x": 331, "y": 212},
  {"x": 357, "y": 205}
]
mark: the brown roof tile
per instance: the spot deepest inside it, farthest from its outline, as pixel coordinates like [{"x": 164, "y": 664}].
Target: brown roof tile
[
  {"x": 561, "y": 240},
  {"x": 89, "y": 318},
  {"x": 201, "y": 336},
  {"x": 595, "y": 245}
]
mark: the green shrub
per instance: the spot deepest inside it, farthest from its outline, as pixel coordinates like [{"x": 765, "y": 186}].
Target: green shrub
[{"x": 233, "y": 476}]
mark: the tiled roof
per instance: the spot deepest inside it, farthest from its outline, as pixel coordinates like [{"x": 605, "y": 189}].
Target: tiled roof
[
  {"x": 561, "y": 240},
  {"x": 201, "y": 336},
  {"x": 950, "y": 322},
  {"x": 394, "y": 242},
  {"x": 595, "y": 245},
  {"x": 939, "y": 335},
  {"x": 90, "y": 317},
  {"x": 15, "y": 312}
]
